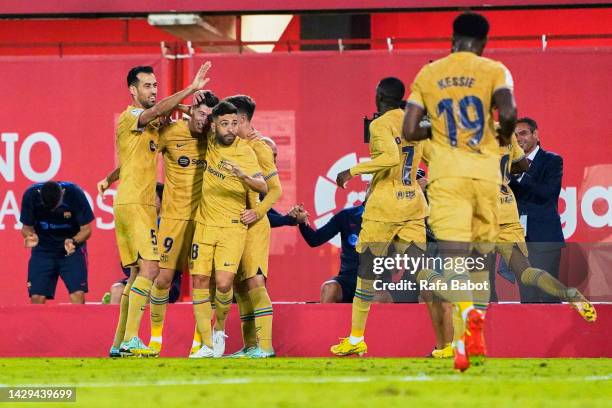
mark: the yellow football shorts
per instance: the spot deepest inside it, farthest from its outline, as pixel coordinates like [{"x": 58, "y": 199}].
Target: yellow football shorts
[
  {"x": 464, "y": 210},
  {"x": 175, "y": 238},
  {"x": 256, "y": 250},
  {"x": 216, "y": 249},
  {"x": 378, "y": 236},
  {"x": 509, "y": 235},
  {"x": 136, "y": 232}
]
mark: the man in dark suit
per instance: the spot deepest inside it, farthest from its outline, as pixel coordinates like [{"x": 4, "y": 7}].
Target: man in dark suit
[{"x": 537, "y": 194}]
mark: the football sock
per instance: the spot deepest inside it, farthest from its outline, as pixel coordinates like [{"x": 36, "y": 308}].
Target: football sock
[
  {"x": 223, "y": 302},
  {"x": 364, "y": 293},
  {"x": 544, "y": 281},
  {"x": 247, "y": 319},
  {"x": 159, "y": 304},
  {"x": 197, "y": 338},
  {"x": 202, "y": 312},
  {"x": 123, "y": 312},
  {"x": 139, "y": 295},
  {"x": 481, "y": 295},
  {"x": 262, "y": 310}
]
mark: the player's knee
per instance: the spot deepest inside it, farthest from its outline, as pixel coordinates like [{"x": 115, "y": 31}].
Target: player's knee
[
  {"x": 224, "y": 286},
  {"x": 257, "y": 281},
  {"x": 330, "y": 292},
  {"x": 77, "y": 298},
  {"x": 164, "y": 279},
  {"x": 38, "y": 299},
  {"x": 116, "y": 291},
  {"x": 200, "y": 281},
  {"x": 149, "y": 269}
]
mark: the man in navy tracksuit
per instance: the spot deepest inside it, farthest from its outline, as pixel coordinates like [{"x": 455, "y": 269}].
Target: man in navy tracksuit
[{"x": 56, "y": 218}]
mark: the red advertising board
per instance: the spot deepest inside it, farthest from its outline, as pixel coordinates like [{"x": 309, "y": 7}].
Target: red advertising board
[{"x": 58, "y": 118}]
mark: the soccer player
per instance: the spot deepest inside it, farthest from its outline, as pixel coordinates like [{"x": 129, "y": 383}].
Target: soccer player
[
  {"x": 460, "y": 92},
  {"x": 137, "y": 142},
  {"x": 251, "y": 294},
  {"x": 183, "y": 146},
  {"x": 56, "y": 220},
  {"x": 395, "y": 210},
  {"x": 511, "y": 241},
  {"x": 219, "y": 239}
]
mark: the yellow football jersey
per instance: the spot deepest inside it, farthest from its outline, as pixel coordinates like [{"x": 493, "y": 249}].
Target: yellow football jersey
[
  {"x": 395, "y": 195},
  {"x": 457, "y": 91},
  {"x": 137, "y": 150},
  {"x": 184, "y": 164},
  {"x": 508, "y": 210},
  {"x": 265, "y": 159},
  {"x": 224, "y": 196}
]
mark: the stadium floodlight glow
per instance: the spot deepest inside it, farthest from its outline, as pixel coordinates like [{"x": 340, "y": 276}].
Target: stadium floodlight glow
[{"x": 173, "y": 19}]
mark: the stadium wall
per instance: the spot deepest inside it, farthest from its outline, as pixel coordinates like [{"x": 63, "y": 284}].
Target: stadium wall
[
  {"x": 58, "y": 122},
  {"x": 309, "y": 330}
]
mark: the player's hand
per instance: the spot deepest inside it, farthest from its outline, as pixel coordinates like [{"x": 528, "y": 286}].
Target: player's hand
[
  {"x": 248, "y": 217},
  {"x": 69, "y": 246},
  {"x": 343, "y": 178},
  {"x": 234, "y": 169},
  {"x": 200, "y": 79},
  {"x": 198, "y": 99},
  {"x": 30, "y": 241},
  {"x": 102, "y": 185},
  {"x": 301, "y": 216},
  {"x": 295, "y": 209},
  {"x": 254, "y": 134},
  {"x": 165, "y": 120}
]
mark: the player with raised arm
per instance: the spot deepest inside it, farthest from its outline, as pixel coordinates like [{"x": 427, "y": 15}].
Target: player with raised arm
[
  {"x": 137, "y": 141},
  {"x": 395, "y": 210},
  {"x": 460, "y": 93},
  {"x": 219, "y": 239}
]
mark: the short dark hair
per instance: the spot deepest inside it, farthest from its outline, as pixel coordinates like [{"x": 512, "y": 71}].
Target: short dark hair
[
  {"x": 223, "y": 108},
  {"x": 245, "y": 104},
  {"x": 392, "y": 90},
  {"x": 533, "y": 125},
  {"x": 51, "y": 194},
  {"x": 471, "y": 25},
  {"x": 210, "y": 99},
  {"x": 132, "y": 76},
  {"x": 159, "y": 190}
]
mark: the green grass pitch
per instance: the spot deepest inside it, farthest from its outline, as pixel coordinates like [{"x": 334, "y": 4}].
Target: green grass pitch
[{"x": 316, "y": 382}]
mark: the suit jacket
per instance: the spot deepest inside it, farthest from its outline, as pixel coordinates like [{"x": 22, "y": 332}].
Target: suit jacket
[{"x": 537, "y": 195}]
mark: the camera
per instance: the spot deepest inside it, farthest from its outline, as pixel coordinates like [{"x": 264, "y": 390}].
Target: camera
[{"x": 366, "y": 126}]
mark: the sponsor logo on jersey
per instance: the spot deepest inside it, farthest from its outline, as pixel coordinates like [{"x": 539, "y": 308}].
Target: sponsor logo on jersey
[{"x": 183, "y": 161}]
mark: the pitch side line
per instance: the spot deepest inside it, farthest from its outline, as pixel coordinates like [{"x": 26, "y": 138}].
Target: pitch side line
[{"x": 301, "y": 380}]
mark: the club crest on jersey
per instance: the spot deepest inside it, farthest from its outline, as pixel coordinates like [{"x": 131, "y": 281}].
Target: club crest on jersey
[
  {"x": 183, "y": 161},
  {"x": 152, "y": 145},
  {"x": 137, "y": 111},
  {"x": 67, "y": 214},
  {"x": 409, "y": 195}
]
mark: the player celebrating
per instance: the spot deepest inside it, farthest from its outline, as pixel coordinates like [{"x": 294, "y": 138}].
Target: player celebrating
[
  {"x": 253, "y": 300},
  {"x": 183, "y": 147},
  {"x": 396, "y": 208},
  {"x": 460, "y": 92},
  {"x": 219, "y": 238},
  {"x": 134, "y": 207}
]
